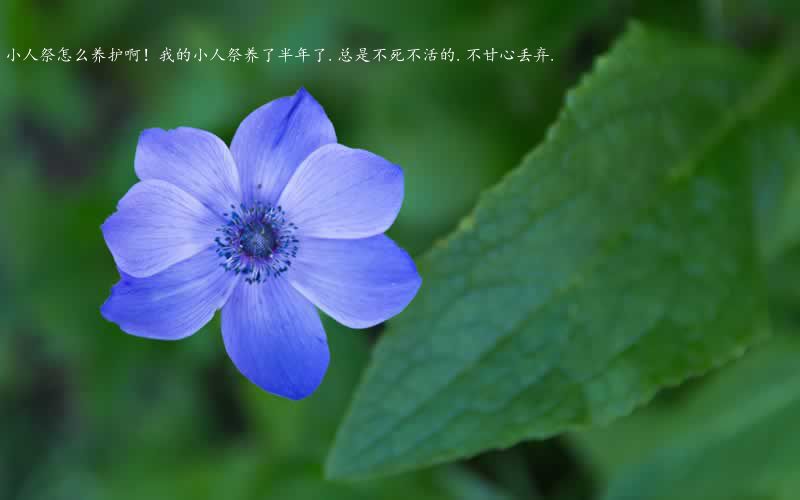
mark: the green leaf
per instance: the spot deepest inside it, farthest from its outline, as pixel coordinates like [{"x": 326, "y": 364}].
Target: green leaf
[
  {"x": 775, "y": 146},
  {"x": 619, "y": 258},
  {"x": 734, "y": 439}
]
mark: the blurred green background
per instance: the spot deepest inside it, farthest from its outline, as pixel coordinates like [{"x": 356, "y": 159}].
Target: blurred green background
[{"x": 89, "y": 412}]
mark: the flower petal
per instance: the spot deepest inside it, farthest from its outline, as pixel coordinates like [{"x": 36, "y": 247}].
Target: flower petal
[
  {"x": 194, "y": 160},
  {"x": 174, "y": 303},
  {"x": 339, "y": 192},
  {"x": 157, "y": 225},
  {"x": 275, "y": 338},
  {"x": 274, "y": 140},
  {"x": 359, "y": 283}
]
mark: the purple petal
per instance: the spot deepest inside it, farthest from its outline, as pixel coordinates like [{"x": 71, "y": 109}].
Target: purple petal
[
  {"x": 174, "y": 303},
  {"x": 359, "y": 283},
  {"x": 157, "y": 225},
  {"x": 275, "y": 338},
  {"x": 274, "y": 140},
  {"x": 194, "y": 160},
  {"x": 339, "y": 192}
]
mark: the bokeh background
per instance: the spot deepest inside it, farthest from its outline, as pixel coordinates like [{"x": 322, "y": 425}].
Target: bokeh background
[{"x": 88, "y": 412}]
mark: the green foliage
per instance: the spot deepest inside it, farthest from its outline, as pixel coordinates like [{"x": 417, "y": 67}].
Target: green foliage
[
  {"x": 732, "y": 438},
  {"x": 639, "y": 245},
  {"x": 595, "y": 274}
]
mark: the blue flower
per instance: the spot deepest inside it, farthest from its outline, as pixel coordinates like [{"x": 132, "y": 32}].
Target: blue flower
[{"x": 284, "y": 220}]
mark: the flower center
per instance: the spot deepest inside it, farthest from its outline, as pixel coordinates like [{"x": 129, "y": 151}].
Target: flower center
[{"x": 257, "y": 242}]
